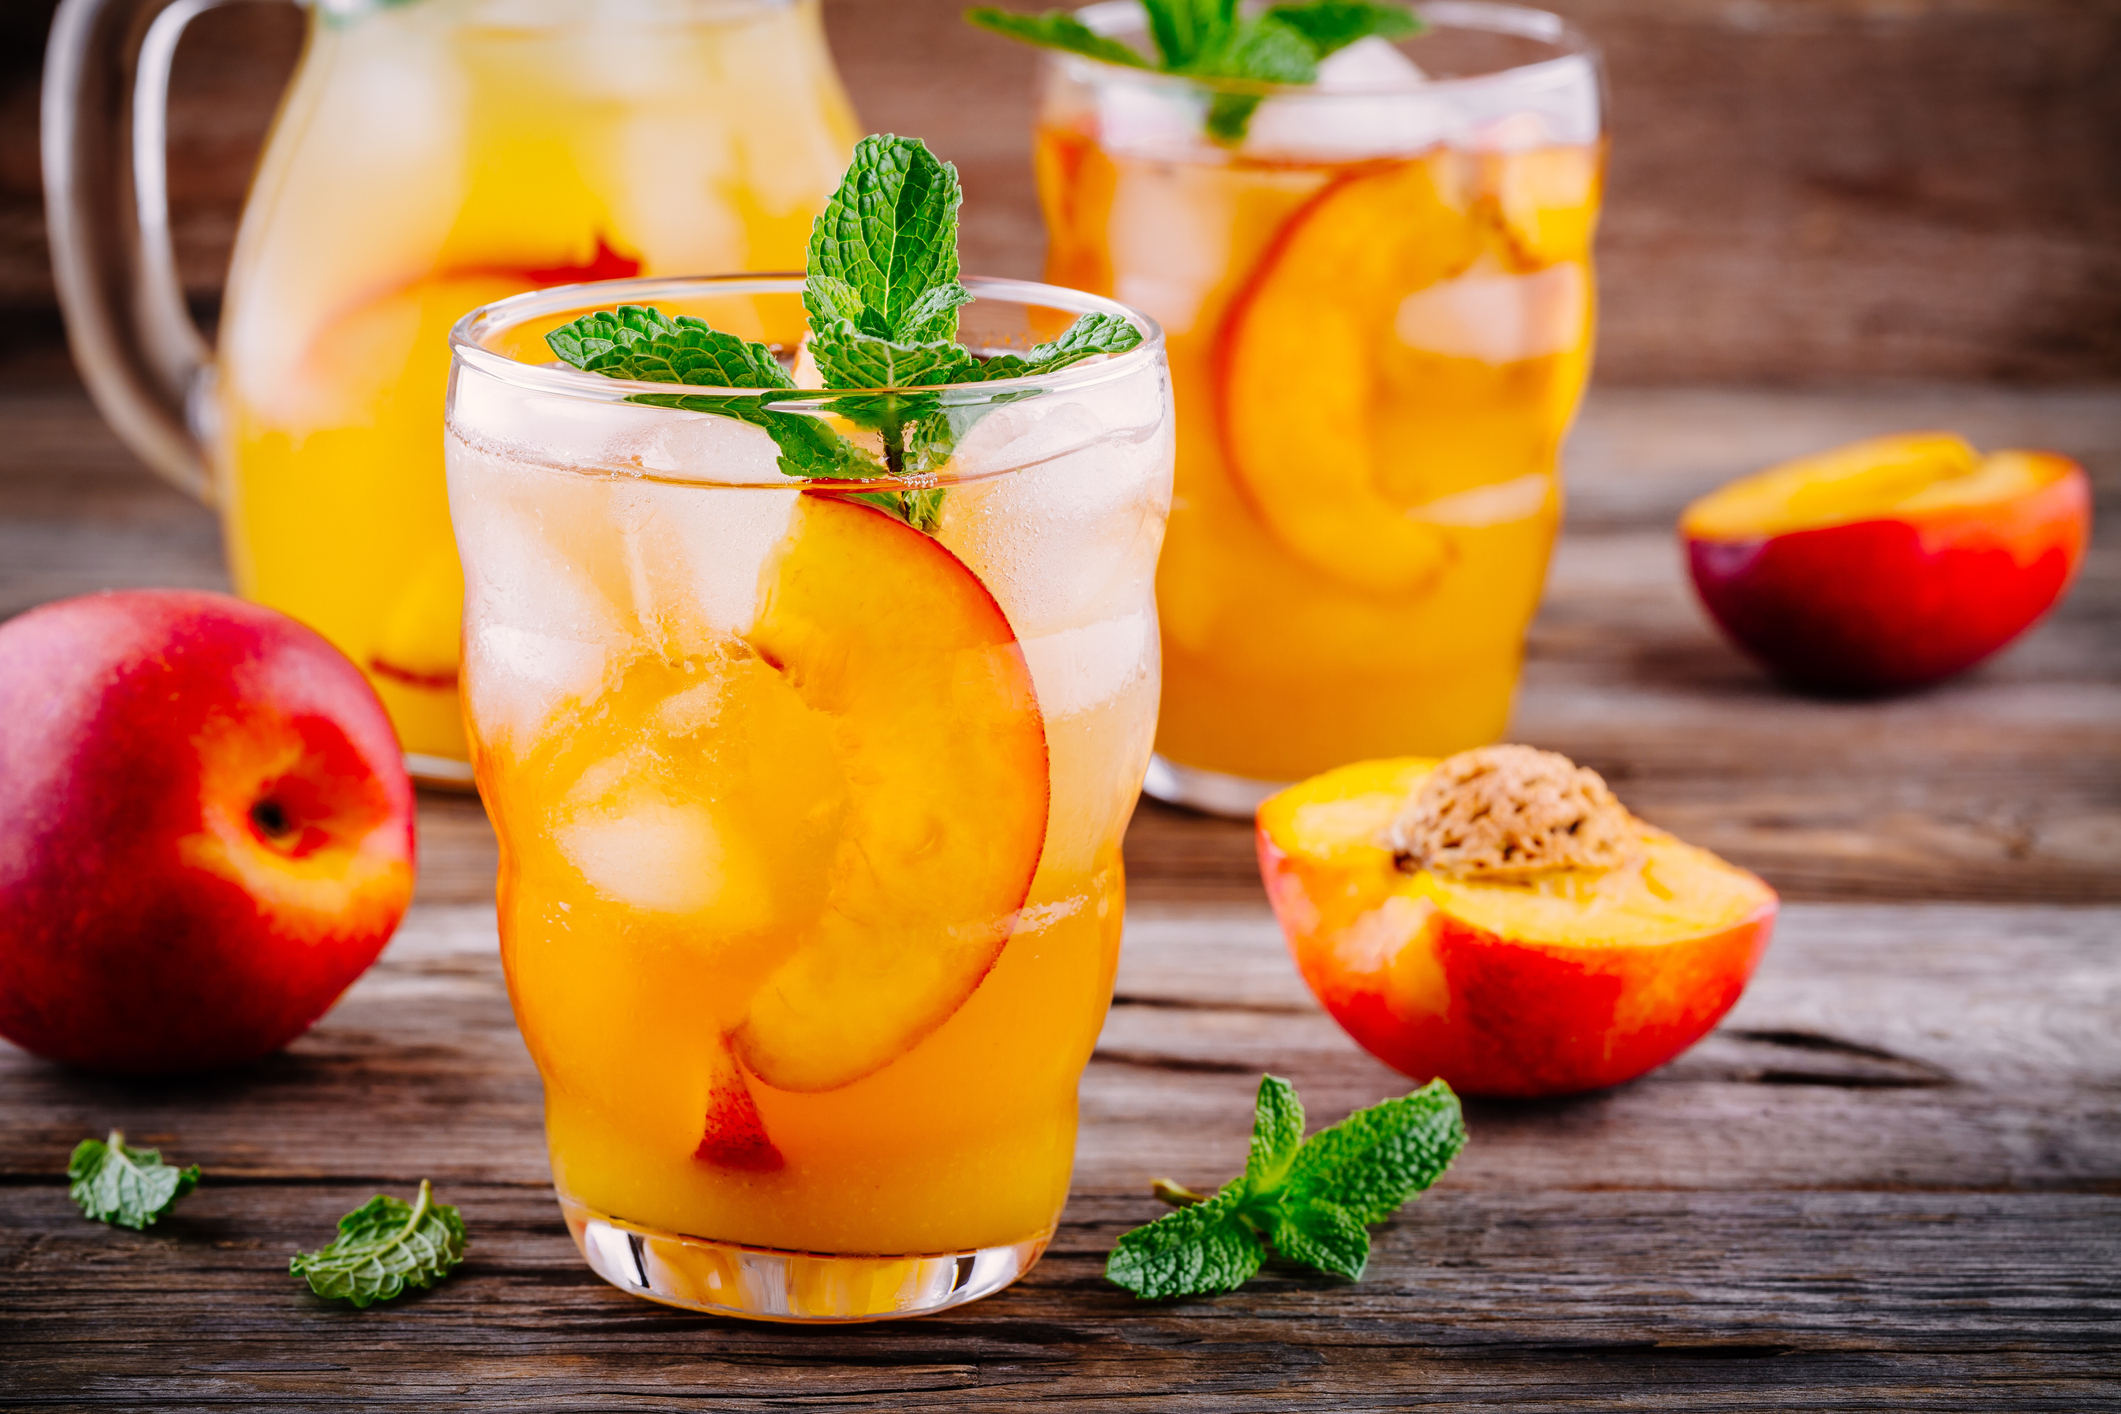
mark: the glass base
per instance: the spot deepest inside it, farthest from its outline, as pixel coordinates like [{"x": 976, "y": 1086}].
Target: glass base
[
  {"x": 443, "y": 772},
  {"x": 767, "y": 1284},
  {"x": 1210, "y": 792}
]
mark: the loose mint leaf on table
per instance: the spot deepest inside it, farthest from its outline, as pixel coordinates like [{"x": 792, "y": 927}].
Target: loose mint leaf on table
[
  {"x": 1211, "y": 39},
  {"x": 1204, "y": 1248},
  {"x": 882, "y": 296},
  {"x": 126, "y": 1187},
  {"x": 1309, "y": 1198},
  {"x": 385, "y": 1246},
  {"x": 1376, "y": 1159}
]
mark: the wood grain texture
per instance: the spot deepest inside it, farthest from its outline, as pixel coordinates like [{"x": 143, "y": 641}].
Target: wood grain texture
[
  {"x": 1799, "y": 188},
  {"x": 2004, "y": 784},
  {"x": 1753, "y": 1226}
]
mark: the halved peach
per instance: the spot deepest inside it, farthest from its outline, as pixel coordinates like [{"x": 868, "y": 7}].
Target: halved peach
[
  {"x": 938, "y": 733},
  {"x": 1567, "y": 981},
  {"x": 1887, "y": 563}
]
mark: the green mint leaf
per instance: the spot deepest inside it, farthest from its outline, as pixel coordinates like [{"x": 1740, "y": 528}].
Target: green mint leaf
[
  {"x": 1090, "y": 335},
  {"x": 1263, "y": 50},
  {"x": 645, "y": 345},
  {"x": 1057, "y": 29},
  {"x": 1311, "y": 1198},
  {"x": 124, "y": 1186},
  {"x": 1205, "y": 1248},
  {"x": 1332, "y": 25},
  {"x": 383, "y": 1247},
  {"x": 1209, "y": 39},
  {"x": 1376, "y": 1159},
  {"x": 1186, "y": 29},
  {"x": 1229, "y": 115},
  {"x": 1322, "y": 1235},
  {"x": 886, "y": 239},
  {"x": 1277, "y": 1133},
  {"x": 852, "y": 358}
]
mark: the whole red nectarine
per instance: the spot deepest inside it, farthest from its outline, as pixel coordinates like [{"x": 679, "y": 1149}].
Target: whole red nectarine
[{"x": 206, "y": 830}]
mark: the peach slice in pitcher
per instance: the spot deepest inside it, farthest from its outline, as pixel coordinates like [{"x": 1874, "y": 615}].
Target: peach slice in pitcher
[
  {"x": 1499, "y": 920},
  {"x": 938, "y": 733},
  {"x": 1547, "y": 198},
  {"x": 1304, "y": 373}
]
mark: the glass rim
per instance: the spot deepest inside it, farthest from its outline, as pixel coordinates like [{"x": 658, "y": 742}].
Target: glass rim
[
  {"x": 557, "y": 379},
  {"x": 1491, "y": 16}
]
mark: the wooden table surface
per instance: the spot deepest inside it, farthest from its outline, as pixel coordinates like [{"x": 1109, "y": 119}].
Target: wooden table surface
[{"x": 1891, "y": 1180}]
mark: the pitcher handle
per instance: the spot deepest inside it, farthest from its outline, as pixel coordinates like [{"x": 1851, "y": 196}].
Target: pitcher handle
[{"x": 106, "y": 90}]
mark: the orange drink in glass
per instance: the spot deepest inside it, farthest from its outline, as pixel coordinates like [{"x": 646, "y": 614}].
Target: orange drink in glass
[
  {"x": 810, "y": 887},
  {"x": 1378, "y": 308}
]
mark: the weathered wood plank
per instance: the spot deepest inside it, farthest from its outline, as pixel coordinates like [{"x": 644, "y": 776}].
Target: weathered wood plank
[
  {"x": 1880, "y": 1047},
  {"x": 1818, "y": 189},
  {"x": 1473, "y": 1300},
  {"x": 2002, "y": 785}
]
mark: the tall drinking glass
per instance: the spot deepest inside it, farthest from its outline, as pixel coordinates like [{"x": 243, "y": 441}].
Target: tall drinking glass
[
  {"x": 810, "y": 885},
  {"x": 1378, "y": 306},
  {"x": 431, "y": 156}
]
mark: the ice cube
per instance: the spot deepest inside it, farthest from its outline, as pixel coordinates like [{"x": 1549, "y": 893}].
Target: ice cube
[
  {"x": 1371, "y": 63},
  {"x": 704, "y": 447},
  {"x": 539, "y": 628},
  {"x": 693, "y": 555},
  {"x": 1070, "y": 538},
  {"x": 549, "y": 429},
  {"x": 1370, "y": 100},
  {"x": 1077, "y": 668},
  {"x": 1498, "y": 318},
  {"x": 643, "y": 850}
]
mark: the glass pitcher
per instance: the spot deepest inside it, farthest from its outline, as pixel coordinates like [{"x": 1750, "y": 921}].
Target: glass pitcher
[{"x": 430, "y": 156}]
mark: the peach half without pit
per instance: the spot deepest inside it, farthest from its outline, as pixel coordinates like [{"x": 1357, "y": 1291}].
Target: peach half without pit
[
  {"x": 1889, "y": 563},
  {"x": 1498, "y": 920}
]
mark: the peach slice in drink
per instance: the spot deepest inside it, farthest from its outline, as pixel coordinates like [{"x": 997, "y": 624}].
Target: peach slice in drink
[
  {"x": 1304, "y": 375},
  {"x": 936, "y": 726},
  {"x": 821, "y": 832}
]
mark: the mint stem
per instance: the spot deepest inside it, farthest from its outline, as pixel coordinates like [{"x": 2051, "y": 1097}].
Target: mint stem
[{"x": 1175, "y": 1193}]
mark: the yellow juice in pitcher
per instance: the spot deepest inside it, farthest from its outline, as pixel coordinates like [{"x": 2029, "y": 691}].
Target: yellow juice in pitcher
[{"x": 436, "y": 156}]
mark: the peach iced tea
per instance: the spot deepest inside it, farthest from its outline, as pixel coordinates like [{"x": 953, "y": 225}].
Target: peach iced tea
[
  {"x": 810, "y": 819},
  {"x": 1378, "y": 307}
]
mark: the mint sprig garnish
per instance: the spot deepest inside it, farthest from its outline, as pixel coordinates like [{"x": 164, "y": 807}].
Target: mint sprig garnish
[
  {"x": 126, "y": 1187},
  {"x": 1310, "y": 1199},
  {"x": 882, "y": 296},
  {"x": 1212, "y": 39},
  {"x": 384, "y": 1247}
]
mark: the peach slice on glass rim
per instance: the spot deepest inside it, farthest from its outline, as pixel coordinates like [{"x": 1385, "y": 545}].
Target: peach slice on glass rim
[
  {"x": 1887, "y": 563},
  {"x": 1546, "y": 982}
]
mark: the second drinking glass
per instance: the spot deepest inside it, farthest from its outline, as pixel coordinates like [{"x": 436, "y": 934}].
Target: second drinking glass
[
  {"x": 1378, "y": 304},
  {"x": 810, "y": 819}
]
